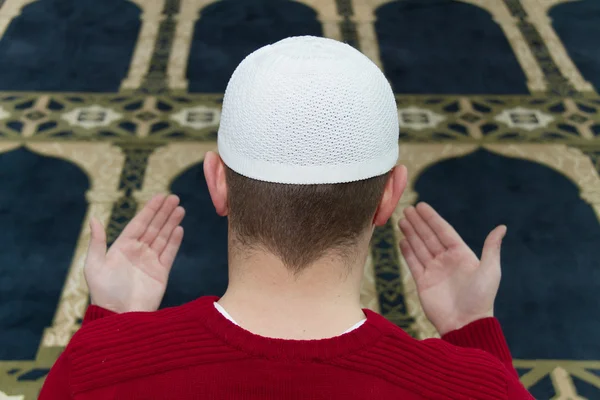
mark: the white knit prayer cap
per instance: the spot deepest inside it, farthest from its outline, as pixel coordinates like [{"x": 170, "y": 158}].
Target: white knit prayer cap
[{"x": 308, "y": 110}]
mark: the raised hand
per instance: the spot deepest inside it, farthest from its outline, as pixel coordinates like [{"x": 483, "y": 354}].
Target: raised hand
[
  {"x": 133, "y": 275},
  {"x": 454, "y": 286}
]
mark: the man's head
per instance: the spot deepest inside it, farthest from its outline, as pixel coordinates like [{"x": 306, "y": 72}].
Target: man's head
[{"x": 308, "y": 145}]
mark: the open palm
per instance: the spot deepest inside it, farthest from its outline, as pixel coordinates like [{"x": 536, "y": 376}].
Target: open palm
[
  {"x": 454, "y": 286},
  {"x": 133, "y": 275}
]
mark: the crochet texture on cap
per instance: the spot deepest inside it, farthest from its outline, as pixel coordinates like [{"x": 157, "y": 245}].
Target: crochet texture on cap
[{"x": 308, "y": 110}]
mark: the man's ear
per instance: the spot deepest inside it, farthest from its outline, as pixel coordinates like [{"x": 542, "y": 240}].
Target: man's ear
[
  {"x": 394, "y": 188},
  {"x": 214, "y": 173}
]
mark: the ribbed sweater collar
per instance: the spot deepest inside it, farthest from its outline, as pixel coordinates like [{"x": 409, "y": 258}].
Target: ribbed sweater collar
[{"x": 259, "y": 346}]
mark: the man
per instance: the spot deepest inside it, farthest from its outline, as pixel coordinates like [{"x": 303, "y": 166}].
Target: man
[{"x": 307, "y": 168}]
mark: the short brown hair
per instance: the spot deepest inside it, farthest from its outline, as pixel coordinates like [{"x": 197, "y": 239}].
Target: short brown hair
[{"x": 300, "y": 223}]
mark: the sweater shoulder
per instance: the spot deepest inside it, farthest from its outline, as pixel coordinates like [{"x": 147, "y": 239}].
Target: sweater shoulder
[
  {"x": 139, "y": 325},
  {"x": 431, "y": 368},
  {"x": 126, "y": 346}
]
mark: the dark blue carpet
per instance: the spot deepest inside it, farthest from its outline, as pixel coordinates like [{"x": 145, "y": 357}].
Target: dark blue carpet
[
  {"x": 201, "y": 266},
  {"x": 230, "y": 30},
  {"x": 66, "y": 45},
  {"x": 577, "y": 24},
  {"x": 445, "y": 46},
  {"x": 551, "y": 279},
  {"x": 42, "y": 206}
]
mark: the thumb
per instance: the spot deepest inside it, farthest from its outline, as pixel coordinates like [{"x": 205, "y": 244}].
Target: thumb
[
  {"x": 490, "y": 256},
  {"x": 97, "y": 248}
]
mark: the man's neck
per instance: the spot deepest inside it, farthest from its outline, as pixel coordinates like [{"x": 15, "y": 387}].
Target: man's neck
[{"x": 265, "y": 298}]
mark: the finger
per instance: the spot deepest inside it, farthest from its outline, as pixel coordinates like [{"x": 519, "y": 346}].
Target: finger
[
  {"x": 138, "y": 225},
  {"x": 97, "y": 247},
  {"x": 170, "y": 252},
  {"x": 442, "y": 229},
  {"x": 419, "y": 248},
  {"x": 490, "y": 256},
  {"x": 163, "y": 236},
  {"x": 415, "y": 267},
  {"x": 424, "y": 231},
  {"x": 160, "y": 218}
]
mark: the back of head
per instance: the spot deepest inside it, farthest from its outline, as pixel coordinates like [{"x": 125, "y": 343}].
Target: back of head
[{"x": 309, "y": 131}]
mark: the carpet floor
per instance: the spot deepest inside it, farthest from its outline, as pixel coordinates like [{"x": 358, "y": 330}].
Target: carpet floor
[{"x": 105, "y": 103}]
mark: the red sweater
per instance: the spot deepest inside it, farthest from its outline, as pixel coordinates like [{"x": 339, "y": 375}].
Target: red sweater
[{"x": 194, "y": 352}]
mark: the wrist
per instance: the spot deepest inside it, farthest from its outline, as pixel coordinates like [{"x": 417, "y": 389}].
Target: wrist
[
  {"x": 121, "y": 309},
  {"x": 459, "y": 323},
  {"x": 107, "y": 306}
]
